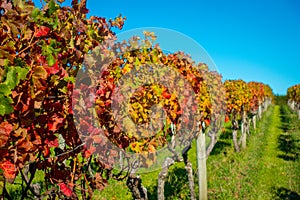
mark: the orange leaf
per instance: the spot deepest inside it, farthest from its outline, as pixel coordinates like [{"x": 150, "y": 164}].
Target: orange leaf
[
  {"x": 9, "y": 170},
  {"x": 226, "y": 118},
  {"x": 5, "y": 130},
  {"x": 151, "y": 149},
  {"x": 46, "y": 151}
]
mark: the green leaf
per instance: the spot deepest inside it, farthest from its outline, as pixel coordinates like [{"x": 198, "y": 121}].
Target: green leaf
[
  {"x": 11, "y": 78},
  {"x": 52, "y": 7},
  {"x": 137, "y": 63},
  {"x": 55, "y": 23},
  {"x": 69, "y": 79},
  {"x": 45, "y": 49},
  {"x": 4, "y": 89},
  {"x": 22, "y": 72},
  {"x": 51, "y": 60},
  {"x": 14, "y": 75},
  {"x": 1, "y": 181},
  {"x": 5, "y": 105},
  {"x": 35, "y": 13}
]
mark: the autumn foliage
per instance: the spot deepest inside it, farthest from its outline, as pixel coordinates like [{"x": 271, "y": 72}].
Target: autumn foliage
[
  {"x": 238, "y": 97},
  {"x": 172, "y": 82},
  {"x": 293, "y": 95},
  {"x": 40, "y": 54}
]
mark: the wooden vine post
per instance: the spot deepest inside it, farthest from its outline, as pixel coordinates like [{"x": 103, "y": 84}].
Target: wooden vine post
[
  {"x": 244, "y": 128},
  {"x": 201, "y": 161}
]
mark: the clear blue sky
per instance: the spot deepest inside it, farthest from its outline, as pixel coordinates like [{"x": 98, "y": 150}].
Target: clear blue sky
[{"x": 253, "y": 40}]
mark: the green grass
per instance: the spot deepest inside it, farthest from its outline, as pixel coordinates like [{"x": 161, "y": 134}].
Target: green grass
[
  {"x": 262, "y": 171},
  {"x": 15, "y": 189}
]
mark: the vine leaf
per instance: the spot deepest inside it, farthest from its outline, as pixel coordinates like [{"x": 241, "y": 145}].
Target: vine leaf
[
  {"x": 65, "y": 189},
  {"x": 9, "y": 171},
  {"x": 42, "y": 31},
  {"x": 5, "y": 130}
]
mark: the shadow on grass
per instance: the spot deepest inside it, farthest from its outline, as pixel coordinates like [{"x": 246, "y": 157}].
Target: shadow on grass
[
  {"x": 220, "y": 146},
  {"x": 226, "y": 135},
  {"x": 289, "y": 147},
  {"x": 176, "y": 185},
  {"x": 285, "y": 119},
  {"x": 225, "y": 140},
  {"x": 287, "y": 143},
  {"x": 284, "y": 193}
]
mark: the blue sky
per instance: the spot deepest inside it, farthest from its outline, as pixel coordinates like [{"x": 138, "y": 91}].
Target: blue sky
[{"x": 255, "y": 40}]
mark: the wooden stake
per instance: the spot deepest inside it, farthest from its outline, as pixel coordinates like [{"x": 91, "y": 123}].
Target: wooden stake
[{"x": 201, "y": 160}]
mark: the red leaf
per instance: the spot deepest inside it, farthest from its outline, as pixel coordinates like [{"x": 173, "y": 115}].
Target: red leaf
[
  {"x": 166, "y": 95},
  {"x": 207, "y": 122},
  {"x": 66, "y": 190},
  {"x": 107, "y": 103},
  {"x": 42, "y": 31},
  {"x": 70, "y": 86},
  {"x": 41, "y": 59},
  {"x": 226, "y": 118},
  {"x": 101, "y": 92},
  {"x": 5, "y": 130},
  {"x": 53, "y": 69},
  {"x": 71, "y": 110},
  {"x": 89, "y": 152},
  {"x": 9, "y": 170},
  {"x": 53, "y": 143},
  {"x": 55, "y": 124}
]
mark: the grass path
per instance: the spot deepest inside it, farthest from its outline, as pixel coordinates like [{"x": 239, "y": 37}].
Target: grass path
[
  {"x": 277, "y": 172},
  {"x": 268, "y": 169}
]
